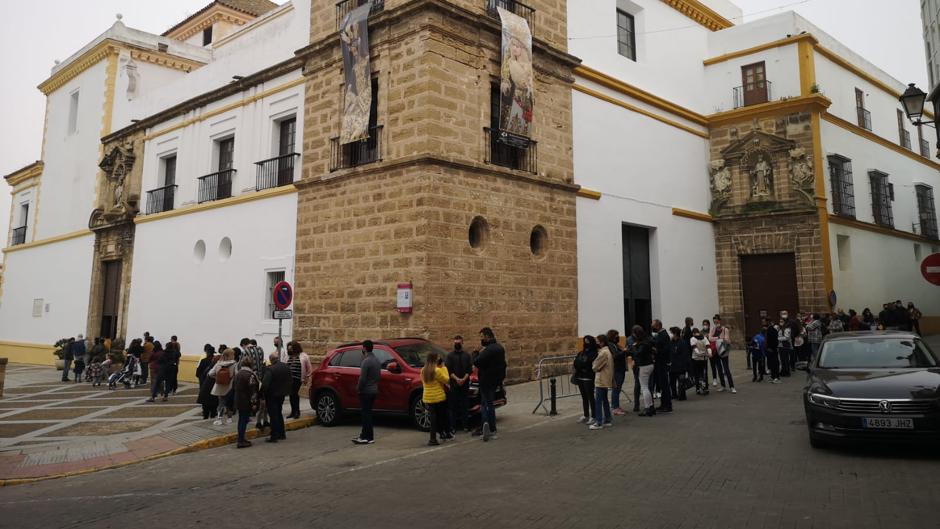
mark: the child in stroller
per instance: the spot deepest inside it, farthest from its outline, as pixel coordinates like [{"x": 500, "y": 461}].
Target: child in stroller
[{"x": 127, "y": 375}]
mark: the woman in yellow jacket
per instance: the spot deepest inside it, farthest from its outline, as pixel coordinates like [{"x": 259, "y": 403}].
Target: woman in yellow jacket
[{"x": 435, "y": 378}]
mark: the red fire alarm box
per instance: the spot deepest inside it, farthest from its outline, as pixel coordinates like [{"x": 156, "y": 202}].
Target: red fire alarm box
[{"x": 405, "y": 297}]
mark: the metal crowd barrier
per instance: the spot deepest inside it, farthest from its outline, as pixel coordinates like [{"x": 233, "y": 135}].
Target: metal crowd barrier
[{"x": 553, "y": 369}]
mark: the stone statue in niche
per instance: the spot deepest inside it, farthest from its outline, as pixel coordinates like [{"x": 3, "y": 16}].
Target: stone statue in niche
[
  {"x": 720, "y": 183},
  {"x": 762, "y": 177},
  {"x": 115, "y": 205},
  {"x": 802, "y": 175}
]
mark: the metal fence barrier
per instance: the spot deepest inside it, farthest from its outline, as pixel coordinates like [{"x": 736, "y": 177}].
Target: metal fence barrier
[{"x": 557, "y": 371}]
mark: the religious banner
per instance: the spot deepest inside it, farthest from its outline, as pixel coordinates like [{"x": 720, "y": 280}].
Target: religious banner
[
  {"x": 517, "y": 88},
  {"x": 357, "y": 93}
]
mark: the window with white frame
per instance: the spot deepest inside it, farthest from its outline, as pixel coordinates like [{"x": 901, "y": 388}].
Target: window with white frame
[
  {"x": 626, "y": 35},
  {"x": 273, "y": 278}
]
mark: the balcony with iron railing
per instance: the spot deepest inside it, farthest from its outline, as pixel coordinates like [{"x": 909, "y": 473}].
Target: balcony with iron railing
[
  {"x": 513, "y": 157},
  {"x": 925, "y": 148},
  {"x": 276, "y": 172},
  {"x": 905, "y": 138},
  {"x": 514, "y": 7},
  {"x": 216, "y": 186},
  {"x": 345, "y": 6},
  {"x": 19, "y": 236},
  {"x": 755, "y": 94},
  {"x": 864, "y": 118},
  {"x": 369, "y": 150},
  {"x": 160, "y": 199}
]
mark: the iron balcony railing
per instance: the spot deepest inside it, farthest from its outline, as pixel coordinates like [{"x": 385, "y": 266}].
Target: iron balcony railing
[
  {"x": 514, "y": 7},
  {"x": 345, "y": 6},
  {"x": 905, "y": 138},
  {"x": 760, "y": 92},
  {"x": 216, "y": 186},
  {"x": 504, "y": 155},
  {"x": 864, "y": 118},
  {"x": 925, "y": 148},
  {"x": 276, "y": 172},
  {"x": 369, "y": 150},
  {"x": 19, "y": 236},
  {"x": 161, "y": 199}
]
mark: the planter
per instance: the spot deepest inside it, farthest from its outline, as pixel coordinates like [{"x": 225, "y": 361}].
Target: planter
[{"x": 59, "y": 364}]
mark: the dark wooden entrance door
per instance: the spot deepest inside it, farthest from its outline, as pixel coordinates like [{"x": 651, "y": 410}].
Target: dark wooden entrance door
[
  {"x": 637, "y": 300},
  {"x": 754, "y": 80},
  {"x": 109, "y": 306},
  {"x": 769, "y": 286}
]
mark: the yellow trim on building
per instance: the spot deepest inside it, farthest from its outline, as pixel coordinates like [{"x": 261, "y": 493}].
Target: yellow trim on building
[
  {"x": 226, "y": 108},
  {"x": 217, "y": 13},
  {"x": 110, "y": 83},
  {"x": 50, "y": 240},
  {"x": 807, "y": 61},
  {"x": 254, "y": 25},
  {"x": 810, "y": 103},
  {"x": 694, "y": 215},
  {"x": 589, "y": 193},
  {"x": 30, "y": 171},
  {"x": 28, "y": 353},
  {"x": 641, "y": 95},
  {"x": 821, "y": 209},
  {"x": 883, "y": 230},
  {"x": 804, "y": 37},
  {"x": 865, "y": 133},
  {"x": 82, "y": 63},
  {"x": 206, "y": 206},
  {"x": 165, "y": 59},
  {"x": 700, "y": 13},
  {"x": 647, "y": 113}
]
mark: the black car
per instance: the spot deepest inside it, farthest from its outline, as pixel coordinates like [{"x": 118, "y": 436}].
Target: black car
[{"x": 882, "y": 385}]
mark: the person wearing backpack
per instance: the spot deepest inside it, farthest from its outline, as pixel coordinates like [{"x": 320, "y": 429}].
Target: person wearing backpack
[
  {"x": 246, "y": 398},
  {"x": 223, "y": 372}
]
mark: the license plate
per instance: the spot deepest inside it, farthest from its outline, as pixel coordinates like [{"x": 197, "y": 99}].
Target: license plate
[{"x": 893, "y": 423}]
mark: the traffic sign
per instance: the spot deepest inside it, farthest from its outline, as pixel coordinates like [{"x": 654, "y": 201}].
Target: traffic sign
[
  {"x": 930, "y": 268},
  {"x": 283, "y": 295},
  {"x": 283, "y": 314}
]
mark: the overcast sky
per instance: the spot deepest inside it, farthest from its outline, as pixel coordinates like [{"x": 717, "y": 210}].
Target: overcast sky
[{"x": 886, "y": 32}]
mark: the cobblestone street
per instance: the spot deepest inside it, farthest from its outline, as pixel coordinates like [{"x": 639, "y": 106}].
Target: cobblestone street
[{"x": 717, "y": 462}]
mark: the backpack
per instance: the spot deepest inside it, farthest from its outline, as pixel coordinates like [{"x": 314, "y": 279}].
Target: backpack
[{"x": 223, "y": 376}]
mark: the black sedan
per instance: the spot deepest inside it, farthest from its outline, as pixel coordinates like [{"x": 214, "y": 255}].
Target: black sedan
[{"x": 873, "y": 386}]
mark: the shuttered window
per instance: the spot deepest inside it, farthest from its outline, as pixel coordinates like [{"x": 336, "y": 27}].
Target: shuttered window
[
  {"x": 843, "y": 191},
  {"x": 881, "y": 196},
  {"x": 926, "y": 212}
]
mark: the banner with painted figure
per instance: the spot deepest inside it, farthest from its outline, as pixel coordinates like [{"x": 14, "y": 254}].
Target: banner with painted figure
[
  {"x": 357, "y": 93},
  {"x": 517, "y": 83}
]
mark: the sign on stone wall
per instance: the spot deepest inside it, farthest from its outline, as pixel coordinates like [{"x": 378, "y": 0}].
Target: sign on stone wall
[
  {"x": 357, "y": 93},
  {"x": 516, "y": 87}
]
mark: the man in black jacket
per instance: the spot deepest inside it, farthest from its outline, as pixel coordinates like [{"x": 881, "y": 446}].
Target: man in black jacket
[
  {"x": 459, "y": 365},
  {"x": 491, "y": 370},
  {"x": 773, "y": 356},
  {"x": 662, "y": 361},
  {"x": 275, "y": 386}
]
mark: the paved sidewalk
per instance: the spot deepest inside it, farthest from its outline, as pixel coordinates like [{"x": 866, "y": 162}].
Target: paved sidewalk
[{"x": 50, "y": 428}]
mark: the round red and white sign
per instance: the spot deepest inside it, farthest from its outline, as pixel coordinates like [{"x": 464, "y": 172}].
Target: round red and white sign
[{"x": 930, "y": 268}]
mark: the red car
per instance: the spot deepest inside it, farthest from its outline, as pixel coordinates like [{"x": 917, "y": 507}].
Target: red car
[{"x": 333, "y": 388}]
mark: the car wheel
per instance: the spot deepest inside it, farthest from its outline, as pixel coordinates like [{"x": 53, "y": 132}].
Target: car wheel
[
  {"x": 327, "y": 408},
  {"x": 420, "y": 414}
]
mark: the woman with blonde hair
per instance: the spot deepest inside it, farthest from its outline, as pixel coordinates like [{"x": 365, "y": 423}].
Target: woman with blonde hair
[
  {"x": 224, "y": 372},
  {"x": 434, "y": 377}
]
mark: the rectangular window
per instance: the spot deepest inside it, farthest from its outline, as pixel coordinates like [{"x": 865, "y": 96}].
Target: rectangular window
[
  {"x": 226, "y": 154},
  {"x": 363, "y": 151},
  {"x": 505, "y": 154},
  {"x": 274, "y": 277},
  {"x": 905, "y": 136},
  {"x": 168, "y": 170},
  {"x": 881, "y": 198},
  {"x": 207, "y": 36},
  {"x": 926, "y": 212},
  {"x": 864, "y": 116},
  {"x": 924, "y": 144},
  {"x": 287, "y": 134},
  {"x": 626, "y": 35},
  {"x": 844, "y": 248},
  {"x": 843, "y": 191},
  {"x": 73, "y": 112},
  {"x": 24, "y": 214}
]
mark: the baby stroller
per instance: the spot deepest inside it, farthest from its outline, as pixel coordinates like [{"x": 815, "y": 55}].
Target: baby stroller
[{"x": 127, "y": 375}]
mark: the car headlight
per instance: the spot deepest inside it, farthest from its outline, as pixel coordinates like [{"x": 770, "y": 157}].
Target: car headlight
[{"x": 822, "y": 400}]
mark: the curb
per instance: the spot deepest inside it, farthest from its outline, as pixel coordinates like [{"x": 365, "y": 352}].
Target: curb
[{"x": 204, "y": 444}]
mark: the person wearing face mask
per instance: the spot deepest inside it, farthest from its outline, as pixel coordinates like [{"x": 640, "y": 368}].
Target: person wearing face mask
[
  {"x": 490, "y": 362},
  {"x": 584, "y": 378},
  {"x": 459, "y": 365}
]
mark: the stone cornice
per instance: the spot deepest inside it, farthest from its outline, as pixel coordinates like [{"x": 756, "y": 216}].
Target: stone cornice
[
  {"x": 50, "y": 240},
  {"x": 165, "y": 59},
  {"x": 79, "y": 65},
  {"x": 761, "y": 47},
  {"x": 21, "y": 175},
  {"x": 639, "y": 94},
  {"x": 875, "y": 228},
  {"x": 700, "y": 13},
  {"x": 813, "y": 102},
  {"x": 200, "y": 22},
  {"x": 867, "y": 134}
]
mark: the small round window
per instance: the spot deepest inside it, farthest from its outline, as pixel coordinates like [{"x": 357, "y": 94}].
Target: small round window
[
  {"x": 479, "y": 233},
  {"x": 225, "y": 249},
  {"x": 538, "y": 241},
  {"x": 199, "y": 251}
]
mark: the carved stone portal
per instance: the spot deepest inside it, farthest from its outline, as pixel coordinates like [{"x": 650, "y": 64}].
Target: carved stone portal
[
  {"x": 115, "y": 205},
  {"x": 802, "y": 176},
  {"x": 720, "y": 184},
  {"x": 758, "y": 164}
]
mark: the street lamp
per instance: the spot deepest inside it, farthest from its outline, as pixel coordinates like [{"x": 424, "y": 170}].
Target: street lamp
[{"x": 913, "y": 102}]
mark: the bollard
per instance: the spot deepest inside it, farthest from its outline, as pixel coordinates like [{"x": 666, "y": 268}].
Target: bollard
[{"x": 553, "y": 392}]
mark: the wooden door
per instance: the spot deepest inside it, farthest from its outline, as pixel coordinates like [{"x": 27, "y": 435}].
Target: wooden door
[
  {"x": 754, "y": 81},
  {"x": 285, "y": 165},
  {"x": 769, "y": 286}
]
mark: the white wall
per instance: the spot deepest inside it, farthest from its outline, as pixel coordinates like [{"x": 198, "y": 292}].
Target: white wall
[
  {"x": 26, "y": 196},
  {"x": 212, "y": 301},
  {"x": 781, "y": 68},
  {"x": 151, "y": 78},
  {"x": 644, "y": 168},
  {"x": 60, "y": 275}
]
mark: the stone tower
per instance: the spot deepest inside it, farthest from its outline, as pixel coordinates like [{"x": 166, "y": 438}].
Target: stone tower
[{"x": 485, "y": 232}]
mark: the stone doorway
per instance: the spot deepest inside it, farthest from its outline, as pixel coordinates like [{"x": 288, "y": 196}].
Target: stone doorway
[
  {"x": 110, "y": 309},
  {"x": 768, "y": 282},
  {"x": 637, "y": 297}
]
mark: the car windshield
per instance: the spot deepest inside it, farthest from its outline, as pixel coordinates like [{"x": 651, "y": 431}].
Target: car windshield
[
  {"x": 876, "y": 353},
  {"x": 414, "y": 354}
]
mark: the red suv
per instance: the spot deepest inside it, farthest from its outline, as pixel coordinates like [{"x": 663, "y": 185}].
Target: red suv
[{"x": 333, "y": 389}]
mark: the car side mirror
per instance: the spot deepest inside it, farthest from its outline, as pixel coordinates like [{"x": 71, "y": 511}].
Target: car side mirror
[{"x": 393, "y": 367}]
